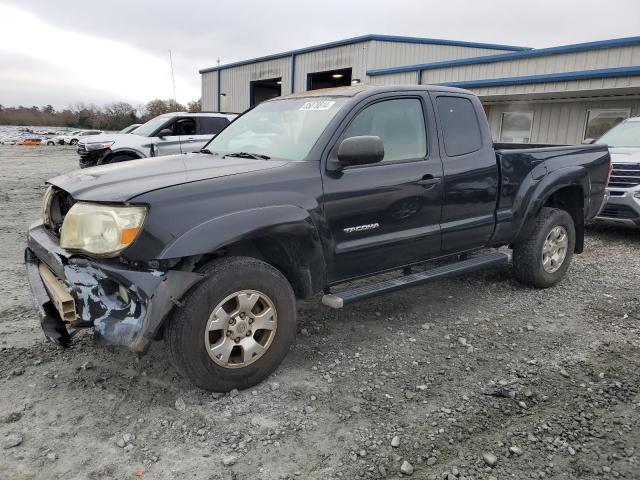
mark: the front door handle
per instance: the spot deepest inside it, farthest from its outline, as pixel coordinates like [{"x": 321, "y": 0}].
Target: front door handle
[
  {"x": 428, "y": 179},
  {"x": 191, "y": 140}
]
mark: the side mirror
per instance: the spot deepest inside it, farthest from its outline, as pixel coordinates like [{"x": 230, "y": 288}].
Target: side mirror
[
  {"x": 588, "y": 141},
  {"x": 360, "y": 151},
  {"x": 165, "y": 132}
]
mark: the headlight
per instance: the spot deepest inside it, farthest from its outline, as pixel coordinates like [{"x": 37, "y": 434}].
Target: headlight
[
  {"x": 101, "y": 229},
  {"x": 46, "y": 205},
  {"x": 97, "y": 146}
]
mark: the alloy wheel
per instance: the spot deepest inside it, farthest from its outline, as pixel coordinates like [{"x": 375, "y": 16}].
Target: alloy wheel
[{"x": 240, "y": 329}]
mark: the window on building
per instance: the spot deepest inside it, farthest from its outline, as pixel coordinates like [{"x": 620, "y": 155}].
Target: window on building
[
  {"x": 400, "y": 125},
  {"x": 516, "y": 127},
  {"x": 601, "y": 120},
  {"x": 329, "y": 79},
  {"x": 461, "y": 130},
  {"x": 262, "y": 90}
]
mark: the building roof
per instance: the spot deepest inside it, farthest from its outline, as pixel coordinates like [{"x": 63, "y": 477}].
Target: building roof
[
  {"x": 367, "y": 38},
  {"x": 548, "y": 77},
  {"x": 530, "y": 53}
]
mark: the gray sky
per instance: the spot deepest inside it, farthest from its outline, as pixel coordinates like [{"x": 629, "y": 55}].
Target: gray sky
[{"x": 96, "y": 52}]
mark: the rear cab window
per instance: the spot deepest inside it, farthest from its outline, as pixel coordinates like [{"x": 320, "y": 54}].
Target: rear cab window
[{"x": 461, "y": 132}]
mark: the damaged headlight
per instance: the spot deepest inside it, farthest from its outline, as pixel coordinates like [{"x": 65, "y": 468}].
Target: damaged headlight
[
  {"x": 92, "y": 147},
  {"x": 101, "y": 229},
  {"x": 46, "y": 205}
]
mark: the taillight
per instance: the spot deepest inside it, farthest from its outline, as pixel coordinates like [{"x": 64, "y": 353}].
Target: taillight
[{"x": 606, "y": 184}]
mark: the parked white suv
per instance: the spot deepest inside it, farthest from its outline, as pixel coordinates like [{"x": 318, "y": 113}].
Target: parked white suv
[
  {"x": 623, "y": 205},
  {"x": 59, "y": 139},
  {"x": 168, "y": 134},
  {"x": 74, "y": 137}
]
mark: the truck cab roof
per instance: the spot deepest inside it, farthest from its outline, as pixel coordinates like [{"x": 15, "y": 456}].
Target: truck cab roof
[
  {"x": 367, "y": 90},
  {"x": 228, "y": 115}
]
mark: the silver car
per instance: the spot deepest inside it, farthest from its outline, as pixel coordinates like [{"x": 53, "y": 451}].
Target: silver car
[
  {"x": 167, "y": 134},
  {"x": 623, "y": 205}
]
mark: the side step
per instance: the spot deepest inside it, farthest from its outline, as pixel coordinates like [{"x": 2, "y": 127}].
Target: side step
[{"x": 339, "y": 300}]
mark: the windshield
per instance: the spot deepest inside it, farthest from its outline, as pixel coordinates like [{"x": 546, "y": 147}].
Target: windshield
[
  {"x": 146, "y": 129},
  {"x": 128, "y": 129},
  {"x": 626, "y": 134},
  {"x": 285, "y": 129}
]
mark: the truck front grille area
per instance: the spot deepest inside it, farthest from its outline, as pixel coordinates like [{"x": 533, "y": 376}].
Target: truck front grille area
[
  {"x": 620, "y": 212},
  {"x": 625, "y": 175}
]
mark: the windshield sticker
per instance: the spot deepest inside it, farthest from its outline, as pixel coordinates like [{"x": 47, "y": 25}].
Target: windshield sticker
[{"x": 318, "y": 105}]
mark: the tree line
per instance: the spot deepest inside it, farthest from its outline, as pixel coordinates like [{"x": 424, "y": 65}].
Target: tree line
[{"x": 113, "y": 116}]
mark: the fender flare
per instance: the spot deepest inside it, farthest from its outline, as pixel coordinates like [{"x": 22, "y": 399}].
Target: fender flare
[
  {"x": 306, "y": 255},
  {"x": 572, "y": 176},
  {"x": 125, "y": 150}
]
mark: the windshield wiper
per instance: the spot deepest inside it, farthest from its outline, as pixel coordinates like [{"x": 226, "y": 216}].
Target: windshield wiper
[{"x": 255, "y": 156}]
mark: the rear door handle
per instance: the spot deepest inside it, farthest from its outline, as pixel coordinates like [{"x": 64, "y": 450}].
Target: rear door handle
[
  {"x": 428, "y": 179},
  {"x": 191, "y": 140}
]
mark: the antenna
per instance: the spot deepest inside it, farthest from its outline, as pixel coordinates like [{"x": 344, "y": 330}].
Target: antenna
[{"x": 173, "y": 79}]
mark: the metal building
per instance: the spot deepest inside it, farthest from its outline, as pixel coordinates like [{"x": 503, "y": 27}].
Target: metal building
[{"x": 549, "y": 95}]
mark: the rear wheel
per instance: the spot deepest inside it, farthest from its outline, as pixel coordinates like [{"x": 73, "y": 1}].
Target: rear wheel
[
  {"x": 234, "y": 328},
  {"x": 50, "y": 143},
  {"x": 544, "y": 257}
]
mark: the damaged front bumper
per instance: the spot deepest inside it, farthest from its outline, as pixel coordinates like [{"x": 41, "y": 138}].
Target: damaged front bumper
[
  {"x": 91, "y": 158},
  {"x": 125, "y": 306}
]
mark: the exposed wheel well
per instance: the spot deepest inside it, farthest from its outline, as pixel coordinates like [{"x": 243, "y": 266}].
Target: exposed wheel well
[
  {"x": 280, "y": 251},
  {"x": 127, "y": 153},
  {"x": 571, "y": 199}
]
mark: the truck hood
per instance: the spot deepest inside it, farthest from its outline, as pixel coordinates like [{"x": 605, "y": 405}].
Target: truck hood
[{"x": 120, "y": 182}]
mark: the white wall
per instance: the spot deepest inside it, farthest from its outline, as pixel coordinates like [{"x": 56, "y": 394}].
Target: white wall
[{"x": 557, "y": 122}]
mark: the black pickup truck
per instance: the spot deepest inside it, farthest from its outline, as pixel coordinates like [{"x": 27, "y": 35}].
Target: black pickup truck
[{"x": 209, "y": 251}]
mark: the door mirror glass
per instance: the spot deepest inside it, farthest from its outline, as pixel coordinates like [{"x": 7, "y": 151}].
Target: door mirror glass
[
  {"x": 165, "y": 132},
  {"x": 360, "y": 150}
]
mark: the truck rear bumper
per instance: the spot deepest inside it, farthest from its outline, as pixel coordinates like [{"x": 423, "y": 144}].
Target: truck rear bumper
[
  {"x": 124, "y": 306},
  {"x": 623, "y": 207}
]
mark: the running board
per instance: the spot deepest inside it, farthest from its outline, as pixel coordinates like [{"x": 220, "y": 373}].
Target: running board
[{"x": 339, "y": 300}]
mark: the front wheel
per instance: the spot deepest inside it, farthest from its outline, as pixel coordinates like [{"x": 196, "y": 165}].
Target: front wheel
[
  {"x": 543, "y": 259},
  {"x": 235, "y": 327},
  {"x": 117, "y": 159}
]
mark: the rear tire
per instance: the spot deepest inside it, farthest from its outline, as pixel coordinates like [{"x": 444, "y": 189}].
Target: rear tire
[
  {"x": 543, "y": 258},
  {"x": 196, "y": 328}
]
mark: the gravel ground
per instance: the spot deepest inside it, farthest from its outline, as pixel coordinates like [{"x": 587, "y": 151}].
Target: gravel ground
[{"x": 390, "y": 388}]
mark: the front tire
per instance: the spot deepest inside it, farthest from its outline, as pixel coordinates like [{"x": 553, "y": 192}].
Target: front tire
[
  {"x": 543, "y": 258},
  {"x": 117, "y": 159},
  {"x": 235, "y": 327},
  {"x": 73, "y": 141}
]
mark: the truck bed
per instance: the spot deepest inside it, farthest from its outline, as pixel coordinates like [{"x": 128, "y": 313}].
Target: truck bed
[{"x": 525, "y": 170}]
